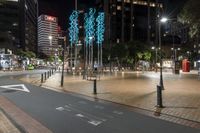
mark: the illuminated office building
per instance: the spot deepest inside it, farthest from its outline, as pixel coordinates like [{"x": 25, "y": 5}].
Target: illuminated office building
[
  {"x": 18, "y": 25},
  {"x": 47, "y": 35},
  {"x": 128, "y": 20}
]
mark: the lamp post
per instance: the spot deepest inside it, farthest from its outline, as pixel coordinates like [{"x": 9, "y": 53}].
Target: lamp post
[
  {"x": 160, "y": 87},
  {"x": 156, "y": 50},
  {"x": 162, "y": 20},
  {"x": 63, "y": 65}
]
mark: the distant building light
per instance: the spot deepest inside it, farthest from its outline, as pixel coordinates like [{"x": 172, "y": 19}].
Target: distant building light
[
  {"x": 13, "y": 0},
  {"x": 119, "y": 8},
  {"x": 15, "y": 24},
  {"x": 26, "y": 7},
  {"x": 50, "y": 18}
]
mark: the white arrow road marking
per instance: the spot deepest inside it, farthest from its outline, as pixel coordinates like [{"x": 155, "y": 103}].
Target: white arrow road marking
[{"x": 18, "y": 87}]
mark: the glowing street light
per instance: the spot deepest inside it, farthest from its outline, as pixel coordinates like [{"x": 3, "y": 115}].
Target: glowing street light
[
  {"x": 160, "y": 87},
  {"x": 163, "y": 20}
]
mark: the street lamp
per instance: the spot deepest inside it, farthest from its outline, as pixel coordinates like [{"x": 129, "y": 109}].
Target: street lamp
[
  {"x": 63, "y": 65},
  {"x": 160, "y": 87},
  {"x": 156, "y": 50},
  {"x": 162, "y": 20}
]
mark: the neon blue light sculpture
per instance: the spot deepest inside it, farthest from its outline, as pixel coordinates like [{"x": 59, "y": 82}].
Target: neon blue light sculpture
[
  {"x": 100, "y": 35},
  {"x": 100, "y": 28},
  {"x": 89, "y": 26},
  {"x": 73, "y": 29}
]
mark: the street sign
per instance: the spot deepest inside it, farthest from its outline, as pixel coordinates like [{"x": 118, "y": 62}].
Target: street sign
[{"x": 18, "y": 87}]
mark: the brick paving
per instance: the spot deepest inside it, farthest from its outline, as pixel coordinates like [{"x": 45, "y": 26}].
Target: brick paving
[{"x": 181, "y": 96}]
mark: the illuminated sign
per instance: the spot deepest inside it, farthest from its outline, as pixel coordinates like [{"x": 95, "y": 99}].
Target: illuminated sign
[{"x": 50, "y": 18}]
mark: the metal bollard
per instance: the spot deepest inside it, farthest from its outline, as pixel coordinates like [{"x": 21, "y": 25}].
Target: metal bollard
[
  {"x": 42, "y": 80},
  {"x": 50, "y": 73},
  {"x": 45, "y": 76},
  {"x": 159, "y": 96},
  {"x": 95, "y": 87}
]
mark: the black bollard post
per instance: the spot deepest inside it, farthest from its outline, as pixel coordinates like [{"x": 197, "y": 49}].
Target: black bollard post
[
  {"x": 159, "y": 96},
  {"x": 42, "y": 80},
  {"x": 50, "y": 73},
  {"x": 45, "y": 76},
  {"x": 95, "y": 87}
]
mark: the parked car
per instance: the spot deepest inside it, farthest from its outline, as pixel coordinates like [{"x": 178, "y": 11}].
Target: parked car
[{"x": 30, "y": 67}]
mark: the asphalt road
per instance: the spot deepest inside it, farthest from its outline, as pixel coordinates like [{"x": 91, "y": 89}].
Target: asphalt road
[{"x": 68, "y": 113}]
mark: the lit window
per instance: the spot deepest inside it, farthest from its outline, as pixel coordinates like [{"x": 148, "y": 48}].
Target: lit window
[
  {"x": 194, "y": 46},
  {"x": 199, "y": 45},
  {"x": 119, "y": 8},
  {"x": 198, "y": 51}
]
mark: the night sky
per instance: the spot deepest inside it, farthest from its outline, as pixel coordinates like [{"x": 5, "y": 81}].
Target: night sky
[{"x": 62, "y": 8}]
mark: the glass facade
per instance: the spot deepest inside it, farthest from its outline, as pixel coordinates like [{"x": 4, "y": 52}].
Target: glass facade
[{"x": 18, "y": 25}]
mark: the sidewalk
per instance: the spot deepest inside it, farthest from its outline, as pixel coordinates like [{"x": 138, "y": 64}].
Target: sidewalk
[
  {"x": 6, "y": 126},
  {"x": 181, "y": 96}
]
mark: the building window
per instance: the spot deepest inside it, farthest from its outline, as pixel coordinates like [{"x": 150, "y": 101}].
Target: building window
[
  {"x": 114, "y": 13},
  {"x": 119, "y": 8},
  {"x": 194, "y": 46},
  {"x": 127, "y": 1},
  {"x": 198, "y": 51}
]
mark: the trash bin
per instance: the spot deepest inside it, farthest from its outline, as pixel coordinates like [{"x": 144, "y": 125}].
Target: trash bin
[{"x": 177, "y": 67}]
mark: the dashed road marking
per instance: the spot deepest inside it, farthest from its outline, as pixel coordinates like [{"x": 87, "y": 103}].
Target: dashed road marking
[
  {"x": 80, "y": 115},
  {"x": 60, "y": 108},
  {"x": 118, "y": 112},
  {"x": 94, "y": 122},
  {"x": 82, "y": 102},
  {"x": 99, "y": 107}
]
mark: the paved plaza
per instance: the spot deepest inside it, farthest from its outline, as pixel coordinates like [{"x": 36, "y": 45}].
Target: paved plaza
[{"x": 181, "y": 97}]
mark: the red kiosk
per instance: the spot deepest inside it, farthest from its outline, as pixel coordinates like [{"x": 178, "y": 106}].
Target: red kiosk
[{"x": 185, "y": 65}]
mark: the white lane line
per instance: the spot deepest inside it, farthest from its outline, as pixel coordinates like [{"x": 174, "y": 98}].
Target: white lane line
[
  {"x": 98, "y": 107},
  {"x": 82, "y": 102},
  {"x": 80, "y": 115},
  {"x": 118, "y": 112},
  {"x": 60, "y": 108},
  {"x": 87, "y": 115},
  {"x": 94, "y": 122}
]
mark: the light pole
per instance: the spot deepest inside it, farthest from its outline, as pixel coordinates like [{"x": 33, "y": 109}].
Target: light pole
[
  {"x": 63, "y": 65},
  {"x": 156, "y": 50},
  {"x": 160, "y": 87},
  {"x": 162, "y": 20}
]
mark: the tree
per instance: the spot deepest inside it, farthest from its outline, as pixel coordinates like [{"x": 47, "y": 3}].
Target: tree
[{"x": 190, "y": 15}]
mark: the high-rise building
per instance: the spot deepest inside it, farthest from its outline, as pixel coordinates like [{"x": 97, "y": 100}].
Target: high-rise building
[
  {"x": 47, "y": 35},
  {"x": 18, "y": 25},
  {"x": 128, "y": 20}
]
